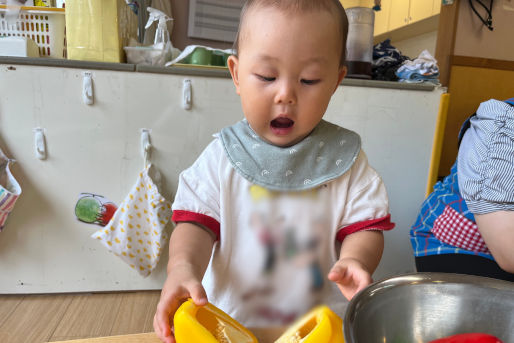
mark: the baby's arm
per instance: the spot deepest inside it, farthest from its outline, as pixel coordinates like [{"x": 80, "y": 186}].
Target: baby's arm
[
  {"x": 497, "y": 230},
  {"x": 190, "y": 252},
  {"x": 359, "y": 257}
]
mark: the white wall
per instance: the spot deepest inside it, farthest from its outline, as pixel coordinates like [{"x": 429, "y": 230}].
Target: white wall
[
  {"x": 412, "y": 47},
  {"x": 473, "y": 39}
]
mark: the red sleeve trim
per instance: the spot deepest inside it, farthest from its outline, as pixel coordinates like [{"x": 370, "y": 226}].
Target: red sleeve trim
[
  {"x": 381, "y": 224},
  {"x": 206, "y": 221}
]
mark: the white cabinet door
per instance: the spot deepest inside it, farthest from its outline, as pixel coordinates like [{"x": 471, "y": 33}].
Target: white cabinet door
[{"x": 95, "y": 149}]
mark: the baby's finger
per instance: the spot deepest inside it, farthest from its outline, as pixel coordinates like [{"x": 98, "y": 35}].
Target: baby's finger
[
  {"x": 362, "y": 278},
  {"x": 164, "y": 318},
  {"x": 164, "y": 337},
  {"x": 337, "y": 273},
  {"x": 198, "y": 294}
]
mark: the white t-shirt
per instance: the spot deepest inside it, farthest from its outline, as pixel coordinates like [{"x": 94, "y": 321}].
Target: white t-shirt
[{"x": 274, "y": 249}]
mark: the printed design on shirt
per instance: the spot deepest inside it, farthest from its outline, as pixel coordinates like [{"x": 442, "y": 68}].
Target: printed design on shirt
[
  {"x": 279, "y": 239},
  {"x": 288, "y": 245}
]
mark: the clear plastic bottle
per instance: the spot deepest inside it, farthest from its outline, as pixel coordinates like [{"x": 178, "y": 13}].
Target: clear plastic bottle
[
  {"x": 161, "y": 34},
  {"x": 359, "y": 43}
]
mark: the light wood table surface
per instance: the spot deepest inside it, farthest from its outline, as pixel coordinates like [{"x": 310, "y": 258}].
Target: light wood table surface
[{"x": 263, "y": 335}]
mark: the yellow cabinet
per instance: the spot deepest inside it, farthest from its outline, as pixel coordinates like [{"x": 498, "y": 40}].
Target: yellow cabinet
[
  {"x": 395, "y": 14},
  {"x": 357, "y": 3},
  {"x": 436, "y": 8},
  {"x": 382, "y": 18},
  {"x": 405, "y": 12},
  {"x": 420, "y": 9},
  {"x": 399, "y": 14}
]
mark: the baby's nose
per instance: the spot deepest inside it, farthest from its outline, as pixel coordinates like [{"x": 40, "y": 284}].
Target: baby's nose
[{"x": 286, "y": 93}]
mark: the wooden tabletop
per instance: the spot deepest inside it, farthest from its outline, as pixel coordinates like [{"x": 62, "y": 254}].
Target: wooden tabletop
[
  {"x": 118, "y": 317},
  {"x": 136, "y": 338},
  {"x": 263, "y": 335}
]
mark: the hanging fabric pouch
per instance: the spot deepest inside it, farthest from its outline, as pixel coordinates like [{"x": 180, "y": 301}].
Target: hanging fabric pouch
[
  {"x": 136, "y": 232},
  {"x": 10, "y": 190}
]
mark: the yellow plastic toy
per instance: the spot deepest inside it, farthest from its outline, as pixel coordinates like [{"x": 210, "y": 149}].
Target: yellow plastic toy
[
  {"x": 320, "y": 325},
  {"x": 208, "y": 324}
]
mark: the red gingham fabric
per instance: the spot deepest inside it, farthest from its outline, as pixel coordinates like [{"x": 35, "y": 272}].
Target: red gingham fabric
[{"x": 454, "y": 229}]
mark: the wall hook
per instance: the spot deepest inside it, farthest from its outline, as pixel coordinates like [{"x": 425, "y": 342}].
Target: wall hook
[
  {"x": 39, "y": 143},
  {"x": 187, "y": 101},
  {"x": 146, "y": 145},
  {"x": 87, "y": 88}
]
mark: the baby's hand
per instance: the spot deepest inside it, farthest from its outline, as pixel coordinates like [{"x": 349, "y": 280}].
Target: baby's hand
[
  {"x": 350, "y": 276},
  {"x": 180, "y": 285}
]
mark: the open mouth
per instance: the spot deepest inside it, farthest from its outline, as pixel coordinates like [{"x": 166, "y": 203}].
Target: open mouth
[{"x": 282, "y": 123}]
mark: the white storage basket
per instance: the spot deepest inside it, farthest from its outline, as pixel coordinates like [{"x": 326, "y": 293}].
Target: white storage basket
[{"x": 45, "y": 26}]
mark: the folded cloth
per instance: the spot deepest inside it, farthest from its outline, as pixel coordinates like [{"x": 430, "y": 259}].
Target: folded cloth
[
  {"x": 386, "y": 60},
  {"x": 415, "y": 77},
  {"x": 423, "y": 68},
  {"x": 10, "y": 189},
  {"x": 136, "y": 233}
]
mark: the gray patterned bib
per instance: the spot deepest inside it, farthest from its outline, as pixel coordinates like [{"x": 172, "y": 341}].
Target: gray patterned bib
[{"x": 327, "y": 153}]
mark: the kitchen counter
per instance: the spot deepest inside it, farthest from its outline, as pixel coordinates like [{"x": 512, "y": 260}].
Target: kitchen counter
[{"x": 188, "y": 70}]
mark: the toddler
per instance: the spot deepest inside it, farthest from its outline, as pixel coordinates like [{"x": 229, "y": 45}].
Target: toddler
[{"x": 281, "y": 211}]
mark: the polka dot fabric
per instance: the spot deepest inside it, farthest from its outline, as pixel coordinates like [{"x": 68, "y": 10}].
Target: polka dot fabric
[{"x": 136, "y": 233}]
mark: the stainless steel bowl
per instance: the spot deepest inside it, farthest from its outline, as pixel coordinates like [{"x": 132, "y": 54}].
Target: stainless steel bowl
[{"x": 420, "y": 307}]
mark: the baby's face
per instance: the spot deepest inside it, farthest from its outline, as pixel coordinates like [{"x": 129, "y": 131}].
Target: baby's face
[{"x": 286, "y": 71}]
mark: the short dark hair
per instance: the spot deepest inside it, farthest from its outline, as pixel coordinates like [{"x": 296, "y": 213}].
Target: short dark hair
[{"x": 332, "y": 6}]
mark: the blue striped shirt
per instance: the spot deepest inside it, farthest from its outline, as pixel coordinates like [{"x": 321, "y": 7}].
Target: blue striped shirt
[{"x": 486, "y": 159}]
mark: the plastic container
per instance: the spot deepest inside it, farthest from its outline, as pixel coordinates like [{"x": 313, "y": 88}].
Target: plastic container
[
  {"x": 45, "y": 26},
  {"x": 320, "y": 325},
  {"x": 18, "y": 46},
  {"x": 97, "y": 30},
  {"x": 206, "y": 57},
  {"x": 44, "y": 3},
  {"x": 208, "y": 324},
  {"x": 146, "y": 55},
  {"x": 359, "y": 44}
]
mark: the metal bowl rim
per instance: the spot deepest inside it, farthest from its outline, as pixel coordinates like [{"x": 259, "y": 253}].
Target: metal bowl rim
[{"x": 418, "y": 278}]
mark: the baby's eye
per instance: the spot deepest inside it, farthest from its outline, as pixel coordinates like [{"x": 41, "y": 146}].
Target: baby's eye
[
  {"x": 265, "y": 78},
  {"x": 309, "y": 82}
]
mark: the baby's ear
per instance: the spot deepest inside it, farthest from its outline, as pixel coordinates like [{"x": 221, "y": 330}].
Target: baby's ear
[
  {"x": 233, "y": 64},
  {"x": 342, "y": 74}
]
